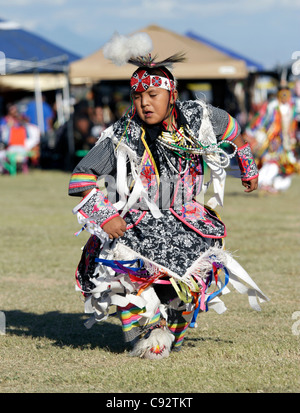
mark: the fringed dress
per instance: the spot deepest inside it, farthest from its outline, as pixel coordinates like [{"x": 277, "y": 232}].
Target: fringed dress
[{"x": 171, "y": 263}]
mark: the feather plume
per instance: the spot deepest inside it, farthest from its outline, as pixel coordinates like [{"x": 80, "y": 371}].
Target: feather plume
[
  {"x": 136, "y": 50},
  {"x": 149, "y": 61},
  {"x": 156, "y": 347},
  {"x": 121, "y": 48}
]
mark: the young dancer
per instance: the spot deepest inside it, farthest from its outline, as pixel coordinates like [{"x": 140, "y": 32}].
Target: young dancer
[{"x": 156, "y": 252}]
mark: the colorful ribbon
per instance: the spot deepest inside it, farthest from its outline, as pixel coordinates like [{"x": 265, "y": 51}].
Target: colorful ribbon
[
  {"x": 136, "y": 274},
  {"x": 217, "y": 292},
  {"x": 120, "y": 266},
  {"x": 201, "y": 301}
]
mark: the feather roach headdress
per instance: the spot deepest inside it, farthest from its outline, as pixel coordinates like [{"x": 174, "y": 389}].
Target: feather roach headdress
[
  {"x": 121, "y": 48},
  {"x": 136, "y": 50}
]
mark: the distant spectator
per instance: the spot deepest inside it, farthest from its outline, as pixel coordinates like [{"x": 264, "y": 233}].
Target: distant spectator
[
  {"x": 12, "y": 128},
  {"x": 83, "y": 138},
  {"x": 13, "y": 117},
  {"x": 98, "y": 121},
  {"x": 19, "y": 137}
]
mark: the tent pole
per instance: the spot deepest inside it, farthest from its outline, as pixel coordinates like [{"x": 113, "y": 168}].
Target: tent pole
[
  {"x": 39, "y": 103},
  {"x": 60, "y": 108},
  {"x": 69, "y": 119},
  {"x": 66, "y": 97}
]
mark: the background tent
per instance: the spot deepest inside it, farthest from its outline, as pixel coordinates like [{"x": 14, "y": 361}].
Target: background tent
[
  {"x": 29, "y": 62},
  {"x": 203, "y": 61},
  {"x": 23, "y": 53},
  {"x": 251, "y": 64},
  {"x": 22, "y": 49}
]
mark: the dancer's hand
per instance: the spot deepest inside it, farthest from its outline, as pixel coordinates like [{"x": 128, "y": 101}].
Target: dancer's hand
[
  {"x": 251, "y": 185},
  {"x": 115, "y": 227}
]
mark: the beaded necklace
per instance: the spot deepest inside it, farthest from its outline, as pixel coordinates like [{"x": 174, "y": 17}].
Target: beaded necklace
[
  {"x": 181, "y": 145},
  {"x": 182, "y": 142}
]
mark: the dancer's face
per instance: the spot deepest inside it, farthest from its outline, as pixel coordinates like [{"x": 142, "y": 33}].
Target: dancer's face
[
  {"x": 284, "y": 95},
  {"x": 153, "y": 105}
]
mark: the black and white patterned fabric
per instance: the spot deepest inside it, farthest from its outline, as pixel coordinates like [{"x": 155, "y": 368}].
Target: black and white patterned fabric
[{"x": 166, "y": 240}]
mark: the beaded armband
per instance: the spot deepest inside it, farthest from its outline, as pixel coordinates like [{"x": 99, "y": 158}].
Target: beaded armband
[
  {"x": 95, "y": 209},
  {"x": 246, "y": 163}
]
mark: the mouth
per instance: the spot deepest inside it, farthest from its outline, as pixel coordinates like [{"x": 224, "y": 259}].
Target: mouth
[{"x": 148, "y": 114}]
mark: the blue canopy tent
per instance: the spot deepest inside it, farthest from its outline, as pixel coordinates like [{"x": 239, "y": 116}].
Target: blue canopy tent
[
  {"x": 24, "y": 55},
  {"x": 251, "y": 64},
  {"x": 24, "y": 46}
]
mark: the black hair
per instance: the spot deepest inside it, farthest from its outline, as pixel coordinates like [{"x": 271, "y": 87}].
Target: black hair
[{"x": 158, "y": 71}]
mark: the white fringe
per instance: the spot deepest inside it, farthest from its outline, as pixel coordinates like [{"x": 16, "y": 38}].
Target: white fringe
[
  {"x": 113, "y": 285},
  {"x": 206, "y": 132},
  {"x": 217, "y": 173}
]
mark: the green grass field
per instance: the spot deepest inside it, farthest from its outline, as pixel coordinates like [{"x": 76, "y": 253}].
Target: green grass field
[{"x": 46, "y": 347}]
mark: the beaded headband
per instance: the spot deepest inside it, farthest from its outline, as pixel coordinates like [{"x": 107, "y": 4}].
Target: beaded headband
[{"x": 141, "y": 80}]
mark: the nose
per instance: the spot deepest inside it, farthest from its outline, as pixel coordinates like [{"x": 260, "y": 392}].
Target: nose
[{"x": 144, "y": 100}]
